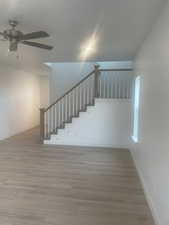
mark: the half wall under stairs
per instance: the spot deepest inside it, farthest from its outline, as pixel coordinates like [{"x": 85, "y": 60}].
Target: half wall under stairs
[{"x": 106, "y": 124}]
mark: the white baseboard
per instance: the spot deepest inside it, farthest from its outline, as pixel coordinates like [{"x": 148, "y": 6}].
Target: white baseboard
[
  {"x": 85, "y": 144},
  {"x": 147, "y": 191}
]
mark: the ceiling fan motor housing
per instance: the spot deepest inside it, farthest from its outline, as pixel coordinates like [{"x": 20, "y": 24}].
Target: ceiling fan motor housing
[{"x": 14, "y": 37}]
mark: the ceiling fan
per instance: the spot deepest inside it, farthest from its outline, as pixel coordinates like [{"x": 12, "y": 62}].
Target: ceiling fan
[{"x": 16, "y": 37}]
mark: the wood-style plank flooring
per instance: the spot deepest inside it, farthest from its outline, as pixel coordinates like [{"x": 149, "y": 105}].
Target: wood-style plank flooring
[{"x": 45, "y": 185}]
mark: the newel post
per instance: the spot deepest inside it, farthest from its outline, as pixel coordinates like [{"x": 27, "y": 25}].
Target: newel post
[
  {"x": 42, "y": 124},
  {"x": 96, "y": 82}
]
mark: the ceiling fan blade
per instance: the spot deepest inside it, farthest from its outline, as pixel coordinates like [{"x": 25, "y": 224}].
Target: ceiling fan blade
[
  {"x": 38, "y": 45},
  {"x": 34, "y": 35}
]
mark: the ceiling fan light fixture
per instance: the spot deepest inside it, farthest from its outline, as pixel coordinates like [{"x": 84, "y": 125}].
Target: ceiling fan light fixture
[{"x": 13, "y": 46}]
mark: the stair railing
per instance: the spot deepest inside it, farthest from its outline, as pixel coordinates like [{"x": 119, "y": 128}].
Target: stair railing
[
  {"x": 115, "y": 83},
  {"x": 100, "y": 83},
  {"x": 69, "y": 105}
]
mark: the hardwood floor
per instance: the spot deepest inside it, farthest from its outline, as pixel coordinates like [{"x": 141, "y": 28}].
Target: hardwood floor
[{"x": 47, "y": 185}]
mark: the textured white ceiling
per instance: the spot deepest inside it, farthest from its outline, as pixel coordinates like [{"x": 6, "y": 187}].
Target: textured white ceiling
[{"x": 122, "y": 26}]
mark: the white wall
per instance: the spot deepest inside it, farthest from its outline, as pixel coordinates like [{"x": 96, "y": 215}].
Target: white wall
[
  {"x": 151, "y": 154},
  {"x": 19, "y": 101},
  {"x": 106, "y": 124},
  {"x": 66, "y": 75}
]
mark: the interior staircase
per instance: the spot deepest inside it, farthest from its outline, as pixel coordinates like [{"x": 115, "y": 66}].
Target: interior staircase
[{"x": 100, "y": 83}]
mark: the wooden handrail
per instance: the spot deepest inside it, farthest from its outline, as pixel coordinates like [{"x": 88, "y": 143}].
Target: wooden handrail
[
  {"x": 75, "y": 86},
  {"x": 102, "y": 70}
]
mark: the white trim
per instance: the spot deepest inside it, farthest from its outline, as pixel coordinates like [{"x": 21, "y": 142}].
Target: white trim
[
  {"x": 146, "y": 190},
  {"x": 57, "y": 143},
  {"x": 135, "y": 136}
]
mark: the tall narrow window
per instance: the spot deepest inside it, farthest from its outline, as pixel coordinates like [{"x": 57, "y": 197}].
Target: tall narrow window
[{"x": 136, "y": 110}]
